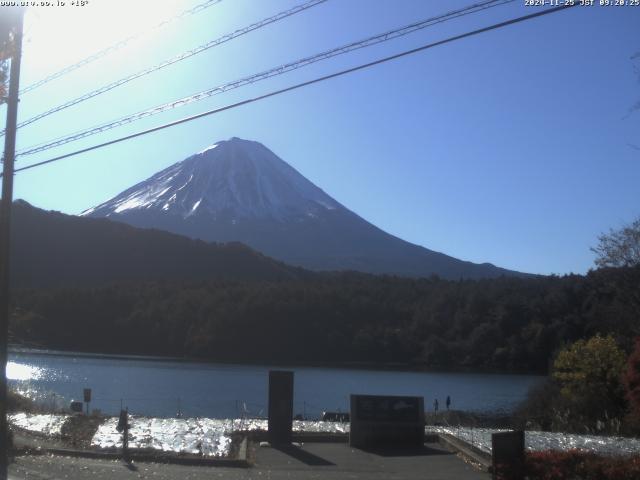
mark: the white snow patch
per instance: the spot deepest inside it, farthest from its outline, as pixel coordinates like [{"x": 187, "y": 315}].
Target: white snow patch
[
  {"x": 139, "y": 200},
  {"x": 167, "y": 177},
  {"x": 186, "y": 183},
  {"x": 132, "y": 202},
  {"x": 193, "y": 209},
  {"x": 210, "y": 147},
  {"x": 163, "y": 191},
  {"x": 326, "y": 205}
]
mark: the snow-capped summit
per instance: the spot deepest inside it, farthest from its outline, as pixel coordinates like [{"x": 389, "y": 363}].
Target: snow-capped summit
[
  {"x": 239, "y": 190},
  {"x": 234, "y": 179}
]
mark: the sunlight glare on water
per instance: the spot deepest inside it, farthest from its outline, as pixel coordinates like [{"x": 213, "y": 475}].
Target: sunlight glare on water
[
  {"x": 162, "y": 387},
  {"x": 20, "y": 371}
]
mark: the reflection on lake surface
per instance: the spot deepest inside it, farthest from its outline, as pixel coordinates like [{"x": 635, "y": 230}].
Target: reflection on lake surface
[
  {"x": 204, "y": 436},
  {"x": 212, "y": 437},
  {"x": 163, "y": 388},
  {"x": 481, "y": 438},
  {"x": 49, "y": 424},
  {"x": 23, "y": 372}
]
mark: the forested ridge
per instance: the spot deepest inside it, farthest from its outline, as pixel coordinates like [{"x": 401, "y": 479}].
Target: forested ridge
[
  {"x": 504, "y": 324},
  {"x": 53, "y": 249}
]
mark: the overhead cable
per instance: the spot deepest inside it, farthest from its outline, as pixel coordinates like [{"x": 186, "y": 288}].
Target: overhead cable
[
  {"x": 272, "y": 72},
  {"x": 171, "y": 61},
  {"x": 118, "y": 45},
  {"x": 303, "y": 84}
]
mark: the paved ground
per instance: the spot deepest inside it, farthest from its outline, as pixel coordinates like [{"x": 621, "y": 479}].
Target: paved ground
[
  {"x": 332, "y": 461},
  {"x": 339, "y": 461}
]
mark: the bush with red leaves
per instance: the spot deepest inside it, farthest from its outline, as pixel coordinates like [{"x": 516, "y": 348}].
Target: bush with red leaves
[
  {"x": 631, "y": 380},
  {"x": 576, "y": 464}
]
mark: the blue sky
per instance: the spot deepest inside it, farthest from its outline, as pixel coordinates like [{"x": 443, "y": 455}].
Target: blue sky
[{"x": 514, "y": 147}]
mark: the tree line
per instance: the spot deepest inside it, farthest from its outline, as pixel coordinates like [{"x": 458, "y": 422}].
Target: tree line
[{"x": 503, "y": 324}]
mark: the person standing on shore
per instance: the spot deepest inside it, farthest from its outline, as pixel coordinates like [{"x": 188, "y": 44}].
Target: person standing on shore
[
  {"x": 435, "y": 405},
  {"x": 448, "y": 402},
  {"x": 123, "y": 426}
]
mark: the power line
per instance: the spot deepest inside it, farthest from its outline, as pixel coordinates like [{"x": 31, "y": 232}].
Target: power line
[
  {"x": 272, "y": 72},
  {"x": 304, "y": 84},
  {"x": 118, "y": 45},
  {"x": 177, "y": 58}
]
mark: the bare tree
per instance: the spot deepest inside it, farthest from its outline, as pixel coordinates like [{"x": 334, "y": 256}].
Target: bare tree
[{"x": 619, "y": 248}]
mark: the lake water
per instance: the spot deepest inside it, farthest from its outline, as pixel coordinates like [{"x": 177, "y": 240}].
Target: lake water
[{"x": 162, "y": 388}]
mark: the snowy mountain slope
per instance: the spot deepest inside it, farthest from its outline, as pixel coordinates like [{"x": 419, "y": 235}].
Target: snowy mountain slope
[
  {"x": 238, "y": 190},
  {"x": 236, "y": 178}
]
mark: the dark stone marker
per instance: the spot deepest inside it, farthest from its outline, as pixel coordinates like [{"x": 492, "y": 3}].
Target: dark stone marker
[
  {"x": 87, "y": 398},
  {"x": 378, "y": 421},
  {"x": 508, "y": 455},
  {"x": 280, "y": 407}
]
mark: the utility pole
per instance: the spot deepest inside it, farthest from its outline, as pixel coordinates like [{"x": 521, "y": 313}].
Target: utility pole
[{"x": 5, "y": 224}]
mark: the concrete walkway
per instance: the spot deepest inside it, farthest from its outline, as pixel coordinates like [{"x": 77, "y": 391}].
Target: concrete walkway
[
  {"x": 339, "y": 461},
  {"x": 332, "y": 461}
]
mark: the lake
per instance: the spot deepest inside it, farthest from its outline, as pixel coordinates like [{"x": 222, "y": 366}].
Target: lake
[{"x": 164, "y": 388}]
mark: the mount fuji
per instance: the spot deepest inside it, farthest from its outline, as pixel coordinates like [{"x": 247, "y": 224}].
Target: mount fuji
[{"x": 239, "y": 190}]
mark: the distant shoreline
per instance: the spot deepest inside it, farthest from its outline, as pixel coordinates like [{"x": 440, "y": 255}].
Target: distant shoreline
[{"x": 371, "y": 366}]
